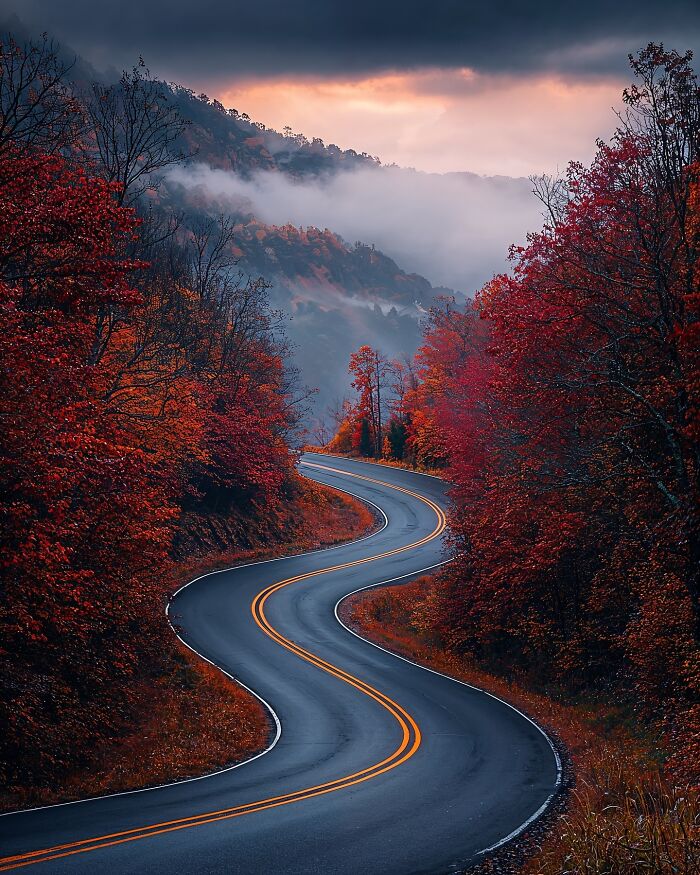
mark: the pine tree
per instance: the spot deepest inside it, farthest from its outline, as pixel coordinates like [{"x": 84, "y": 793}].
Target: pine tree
[
  {"x": 366, "y": 448},
  {"x": 397, "y": 439}
]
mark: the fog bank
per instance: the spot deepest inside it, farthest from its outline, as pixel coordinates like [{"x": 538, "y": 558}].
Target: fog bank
[{"x": 454, "y": 229}]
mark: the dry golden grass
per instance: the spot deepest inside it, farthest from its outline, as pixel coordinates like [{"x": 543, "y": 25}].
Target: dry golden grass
[{"x": 623, "y": 821}]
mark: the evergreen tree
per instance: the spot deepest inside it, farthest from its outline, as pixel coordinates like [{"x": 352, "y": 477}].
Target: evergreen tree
[
  {"x": 397, "y": 439},
  {"x": 366, "y": 446}
]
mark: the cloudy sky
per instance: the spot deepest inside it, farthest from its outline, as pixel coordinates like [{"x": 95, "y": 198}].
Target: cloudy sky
[{"x": 498, "y": 88}]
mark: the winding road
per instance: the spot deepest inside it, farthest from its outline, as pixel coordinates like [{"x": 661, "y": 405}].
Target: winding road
[{"x": 375, "y": 765}]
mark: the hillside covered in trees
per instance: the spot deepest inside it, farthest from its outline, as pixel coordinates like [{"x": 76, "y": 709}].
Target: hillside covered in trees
[
  {"x": 336, "y": 292},
  {"x": 230, "y": 140}
]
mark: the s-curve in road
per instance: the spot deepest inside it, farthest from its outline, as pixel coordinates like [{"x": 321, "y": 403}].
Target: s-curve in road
[{"x": 375, "y": 765}]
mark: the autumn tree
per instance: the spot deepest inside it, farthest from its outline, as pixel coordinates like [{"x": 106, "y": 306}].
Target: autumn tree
[
  {"x": 135, "y": 393},
  {"x": 343, "y": 417},
  {"x": 81, "y": 486},
  {"x": 37, "y": 106},
  {"x": 135, "y": 131},
  {"x": 369, "y": 369}
]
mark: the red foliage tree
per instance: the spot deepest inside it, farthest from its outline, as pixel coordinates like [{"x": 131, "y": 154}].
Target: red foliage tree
[
  {"x": 369, "y": 369},
  {"x": 74, "y": 486},
  {"x": 569, "y": 414}
]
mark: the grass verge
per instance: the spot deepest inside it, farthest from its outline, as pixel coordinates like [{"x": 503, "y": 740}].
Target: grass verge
[{"x": 386, "y": 462}]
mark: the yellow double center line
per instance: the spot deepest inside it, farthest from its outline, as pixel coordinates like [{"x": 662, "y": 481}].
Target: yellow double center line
[{"x": 410, "y": 733}]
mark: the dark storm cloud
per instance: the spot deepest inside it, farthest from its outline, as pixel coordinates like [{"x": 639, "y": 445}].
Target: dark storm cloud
[{"x": 214, "y": 39}]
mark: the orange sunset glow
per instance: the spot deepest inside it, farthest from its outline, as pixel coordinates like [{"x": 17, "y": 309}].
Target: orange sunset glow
[{"x": 441, "y": 120}]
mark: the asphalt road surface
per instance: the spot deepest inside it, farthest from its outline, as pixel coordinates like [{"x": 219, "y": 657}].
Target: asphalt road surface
[{"x": 380, "y": 766}]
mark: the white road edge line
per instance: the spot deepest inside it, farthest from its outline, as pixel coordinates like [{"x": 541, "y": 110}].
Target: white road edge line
[
  {"x": 275, "y": 718},
  {"x": 378, "y": 464},
  {"x": 540, "y": 811}
]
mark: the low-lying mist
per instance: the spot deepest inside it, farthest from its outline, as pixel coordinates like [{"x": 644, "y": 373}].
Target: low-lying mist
[{"x": 454, "y": 229}]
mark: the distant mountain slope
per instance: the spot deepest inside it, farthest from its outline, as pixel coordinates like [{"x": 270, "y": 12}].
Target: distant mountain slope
[
  {"x": 337, "y": 295},
  {"x": 306, "y": 257},
  {"x": 229, "y": 140},
  {"x": 313, "y": 258}
]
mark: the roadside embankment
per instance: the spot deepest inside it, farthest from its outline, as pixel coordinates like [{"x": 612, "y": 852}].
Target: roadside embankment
[{"x": 190, "y": 719}]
